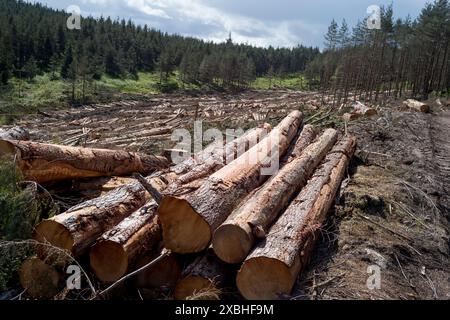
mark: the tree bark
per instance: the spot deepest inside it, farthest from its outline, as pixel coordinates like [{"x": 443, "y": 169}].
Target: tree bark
[
  {"x": 40, "y": 280},
  {"x": 272, "y": 267},
  {"x": 45, "y": 163},
  {"x": 417, "y": 105},
  {"x": 16, "y": 133},
  {"x": 215, "y": 158},
  {"x": 202, "y": 279},
  {"x": 233, "y": 240},
  {"x": 77, "y": 229},
  {"x": 118, "y": 249},
  {"x": 188, "y": 221}
]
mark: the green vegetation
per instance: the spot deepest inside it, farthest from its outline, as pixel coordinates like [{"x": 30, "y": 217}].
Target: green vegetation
[
  {"x": 22, "y": 205},
  {"x": 292, "y": 81}
]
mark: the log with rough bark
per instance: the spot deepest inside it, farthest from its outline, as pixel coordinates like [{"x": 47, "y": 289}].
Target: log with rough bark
[
  {"x": 188, "y": 221},
  {"x": 233, "y": 240},
  {"x": 165, "y": 273},
  {"x": 16, "y": 133},
  {"x": 202, "y": 279},
  {"x": 50, "y": 163},
  {"x": 96, "y": 187},
  {"x": 217, "y": 156},
  {"x": 117, "y": 250},
  {"x": 417, "y": 105},
  {"x": 270, "y": 270},
  {"x": 40, "y": 280},
  {"x": 77, "y": 229}
]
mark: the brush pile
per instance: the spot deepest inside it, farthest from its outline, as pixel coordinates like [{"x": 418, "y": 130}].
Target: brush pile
[{"x": 246, "y": 212}]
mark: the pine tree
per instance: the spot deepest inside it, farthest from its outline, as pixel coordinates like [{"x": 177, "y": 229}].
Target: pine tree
[{"x": 331, "y": 38}]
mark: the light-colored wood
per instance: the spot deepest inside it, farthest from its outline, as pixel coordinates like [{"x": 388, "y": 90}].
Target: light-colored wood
[
  {"x": 233, "y": 240},
  {"x": 364, "y": 110},
  {"x": 50, "y": 163},
  {"x": 269, "y": 272},
  {"x": 188, "y": 221},
  {"x": 202, "y": 279},
  {"x": 15, "y": 133},
  {"x": 417, "y": 105},
  {"x": 118, "y": 249},
  {"x": 216, "y": 157},
  {"x": 77, "y": 229},
  {"x": 40, "y": 280}
]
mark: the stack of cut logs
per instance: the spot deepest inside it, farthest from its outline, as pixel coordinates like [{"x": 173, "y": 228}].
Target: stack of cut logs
[{"x": 225, "y": 204}]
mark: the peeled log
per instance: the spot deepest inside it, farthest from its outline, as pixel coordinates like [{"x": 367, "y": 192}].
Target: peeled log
[
  {"x": 50, "y": 163},
  {"x": 417, "y": 105},
  {"x": 16, "y": 133},
  {"x": 234, "y": 239},
  {"x": 188, "y": 221},
  {"x": 202, "y": 279},
  {"x": 40, "y": 280},
  {"x": 271, "y": 269},
  {"x": 77, "y": 229},
  {"x": 165, "y": 273}
]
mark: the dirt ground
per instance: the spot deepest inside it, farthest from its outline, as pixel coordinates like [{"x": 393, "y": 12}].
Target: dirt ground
[{"x": 393, "y": 211}]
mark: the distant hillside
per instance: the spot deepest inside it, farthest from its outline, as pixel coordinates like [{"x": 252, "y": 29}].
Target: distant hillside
[{"x": 34, "y": 39}]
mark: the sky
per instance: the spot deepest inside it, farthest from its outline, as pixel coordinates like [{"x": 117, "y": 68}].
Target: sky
[{"x": 279, "y": 23}]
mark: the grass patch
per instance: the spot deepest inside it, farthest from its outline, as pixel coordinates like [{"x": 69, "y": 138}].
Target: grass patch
[{"x": 293, "y": 81}]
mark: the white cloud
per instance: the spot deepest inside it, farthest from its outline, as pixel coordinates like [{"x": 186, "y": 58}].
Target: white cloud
[{"x": 148, "y": 7}]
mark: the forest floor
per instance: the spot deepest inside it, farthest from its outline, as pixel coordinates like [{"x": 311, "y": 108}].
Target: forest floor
[{"x": 393, "y": 212}]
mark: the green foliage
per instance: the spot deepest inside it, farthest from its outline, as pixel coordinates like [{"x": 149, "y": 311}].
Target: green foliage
[
  {"x": 34, "y": 40},
  {"x": 11, "y": 258}
]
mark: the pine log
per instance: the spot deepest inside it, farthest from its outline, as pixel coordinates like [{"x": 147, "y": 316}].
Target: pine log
[
  {"x": 16, "y": 133},
  {"x": 77, "y": 229},
  {"x": 188, "y": 221},
  {"x": 233, "y": 240},
  {"x": 165, "y": 273},
  {"x": 117, "y": 250},
  {"x": 202, "y": 279},
  {"x": 50, "y": 163},
  {"x": 40, "y": 280},
  {"x": 215, "y": 158},
  {"x": 417, "y": 105},
  {"x": 364, "y": 110},
  {"x": 270, "y": 270}
]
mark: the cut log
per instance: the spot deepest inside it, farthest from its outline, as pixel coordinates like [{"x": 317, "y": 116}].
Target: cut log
[
  {"x": 271, "y": 269},
  {"x": 165, "y": 273},
  {"x": 216, "y": 157},
  {"x": 234, "y": 239},
  {"x": 16, "y": 133},
  {"x": 77, "y": 229},
  {"x": 219, "y": 157},
  {"x": 50, "y": 163},
  {"x": 350, "y": 116},
  {"x": 100, "y": 185},
  {"x": 40, "y": 280},
  {"x": 202, "y": 279},
  {"x": 364, "y": 110},
  {"x": 304, "y": 139},
  {"x": 188, "y": 221},
  {"x": 117, "y": 250},
  {"x": 417, "y": 105}
]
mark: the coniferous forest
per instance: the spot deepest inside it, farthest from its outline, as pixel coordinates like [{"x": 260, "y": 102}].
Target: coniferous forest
[{"x": 34, "y": 39}]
